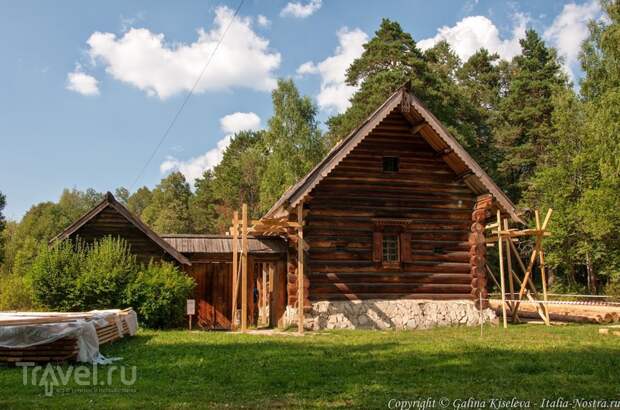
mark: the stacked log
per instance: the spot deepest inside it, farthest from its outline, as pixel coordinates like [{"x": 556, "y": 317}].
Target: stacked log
[
  {"x": 567, "y": 312},
  {"x": 57, "y": 351},
  {"x": 66, "y": 348}
]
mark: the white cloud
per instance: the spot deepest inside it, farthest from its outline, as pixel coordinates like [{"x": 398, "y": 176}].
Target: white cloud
[
  {"x": 144, "y": 60},
  {"x": 334, "y": 94},
  {"x": 569, "y": 29},
  {"x": 194, "y": 168},
  {"x": 263, "y": 21},
  {"x": 300, "y": 10},
  {"x": 475, "y": 32},
  {"x": 239, "y": 121},
  {"x": 82, "y": 83}
]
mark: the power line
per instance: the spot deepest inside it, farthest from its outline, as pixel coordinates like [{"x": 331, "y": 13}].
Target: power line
[{"x": 187, "y": 97}]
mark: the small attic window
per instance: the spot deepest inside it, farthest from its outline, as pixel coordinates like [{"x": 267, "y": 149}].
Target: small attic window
[{"x": 390, "y": 164}]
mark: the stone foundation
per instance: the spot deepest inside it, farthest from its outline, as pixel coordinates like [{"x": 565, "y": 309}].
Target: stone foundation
[{"x": 403, "y": 314}]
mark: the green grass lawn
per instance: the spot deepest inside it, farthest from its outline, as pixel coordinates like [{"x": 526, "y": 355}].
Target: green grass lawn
[{"x": 179, "y": 369}]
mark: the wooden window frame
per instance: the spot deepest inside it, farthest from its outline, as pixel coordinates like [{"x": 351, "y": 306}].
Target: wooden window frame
[
  {"x": 396, "y": 160},
  {"x": 396, "y": 227}
]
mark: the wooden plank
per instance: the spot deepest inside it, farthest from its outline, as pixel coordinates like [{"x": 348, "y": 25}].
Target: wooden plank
[
  {"x": 300, "y": 268},
  {"x": 244, "y": 267},
  {"x": 501, "y": 270}
]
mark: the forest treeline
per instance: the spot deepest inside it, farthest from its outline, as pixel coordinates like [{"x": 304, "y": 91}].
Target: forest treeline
[{"x": 546, "y": 141}]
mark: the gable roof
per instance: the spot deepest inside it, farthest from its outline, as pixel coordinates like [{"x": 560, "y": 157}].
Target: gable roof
[
  {"x": 423, "y": 122},
  {"x": 110, "y": 202}
]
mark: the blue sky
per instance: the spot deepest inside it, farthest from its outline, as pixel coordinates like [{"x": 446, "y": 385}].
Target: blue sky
[{"x": 88, "y": 88}]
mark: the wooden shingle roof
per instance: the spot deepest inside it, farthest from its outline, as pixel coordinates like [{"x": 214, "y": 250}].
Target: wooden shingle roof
[
  {"x": 422, "y": 122},
  {"x": 189, "y": 243}
]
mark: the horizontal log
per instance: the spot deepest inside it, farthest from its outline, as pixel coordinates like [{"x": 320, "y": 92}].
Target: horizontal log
[
  {"x": 387, "y": 288},
  {"x": 396, "y": 277},
  {"x": 390, "y": 296}
]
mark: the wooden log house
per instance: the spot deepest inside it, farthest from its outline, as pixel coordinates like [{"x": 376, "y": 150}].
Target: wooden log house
[{"x": 396, "y": 210}]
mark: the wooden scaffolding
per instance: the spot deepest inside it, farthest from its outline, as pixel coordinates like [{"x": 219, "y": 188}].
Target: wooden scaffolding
[
  {"x": 293, "y": 231},
  {"x": 505, "y": 237}
]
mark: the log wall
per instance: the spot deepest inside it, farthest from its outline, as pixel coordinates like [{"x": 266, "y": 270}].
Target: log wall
[
  {"x": 341, "y": 218},
  {"x": 110, "y": 223}
]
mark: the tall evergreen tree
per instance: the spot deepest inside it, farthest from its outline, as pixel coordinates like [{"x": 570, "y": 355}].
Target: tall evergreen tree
[
  {"x": 392, "y": 59},
  {"x": 168, "y": 211},
  {"x": 524, "y": 134},
  {"x": 293, "y": 142}
]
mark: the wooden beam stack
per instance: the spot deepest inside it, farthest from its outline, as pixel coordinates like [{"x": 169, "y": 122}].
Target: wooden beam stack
[{"x": 66, "y": 348}]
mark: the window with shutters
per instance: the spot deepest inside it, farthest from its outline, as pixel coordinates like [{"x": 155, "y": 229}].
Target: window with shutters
[{"x": 391, "y": 242}]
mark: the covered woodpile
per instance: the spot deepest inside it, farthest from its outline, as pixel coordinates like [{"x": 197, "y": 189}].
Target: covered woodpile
[{"x": 58, "y": 336}]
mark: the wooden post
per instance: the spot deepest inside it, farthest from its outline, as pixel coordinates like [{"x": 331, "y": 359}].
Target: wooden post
[
  {"x": 541, "y": 260},
  {"x": 300, "y": 268},
  {"x": 501, "y": 266},
  {"x": 264, "y": 297},
  {"x": 235, "y": 268},
  {"x": 271, "y": 293},
  {"x": 511, "y": 284},
  {"x": 244, "y": 267}
]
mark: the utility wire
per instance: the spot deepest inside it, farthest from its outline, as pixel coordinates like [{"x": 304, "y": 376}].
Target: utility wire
[{"x": 187, "y": 97}]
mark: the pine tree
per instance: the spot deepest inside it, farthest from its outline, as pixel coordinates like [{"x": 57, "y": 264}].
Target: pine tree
[
  {"x": 524, "y": 133},
  {"x": 480, "y": 80},
  {"x": 392, "y": 59}
]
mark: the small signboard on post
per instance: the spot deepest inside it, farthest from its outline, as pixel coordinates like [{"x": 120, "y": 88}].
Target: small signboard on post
[{"x": 191, "y": 310}]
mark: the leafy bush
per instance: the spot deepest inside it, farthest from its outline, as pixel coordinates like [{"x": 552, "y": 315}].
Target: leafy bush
[
  {"x": 105, "y": 274},
  {"x": 54, "y": 273},
  {"x": 15, "y": 292},
  {"x": 107, "y": 268},
  {"x": 158, "y": 295}
]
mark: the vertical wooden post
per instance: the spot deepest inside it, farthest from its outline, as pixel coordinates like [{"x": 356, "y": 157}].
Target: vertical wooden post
[
  {"x": 272, "y": 278},
  {"x": 235, "y": 268},
  {"x": 501, "y": 266},
  {"x": 541, "y": 259},
  {"x": 511, "y": 284},
  {"x": 244, "y": 267},
  {"x": 300, "y": 268},
  {"x": 263, "y": 302}
]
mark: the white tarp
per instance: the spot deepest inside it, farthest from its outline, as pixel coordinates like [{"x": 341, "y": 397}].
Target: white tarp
[{"x": 27, "y": 335}]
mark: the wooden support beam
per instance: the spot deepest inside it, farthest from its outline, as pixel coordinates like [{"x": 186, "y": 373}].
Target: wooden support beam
[
  {"x": 244, "y": 267},
  {"x": 264, "y": 296},
  {"x": 235, "y": 268},
  {"x": 418, "y": 127},
  {"x": 300, "y": 268},
  {"x": 513, "y": 311},
  {"x": 541, "y": 262},
  {"x": 501, "y": 269}
]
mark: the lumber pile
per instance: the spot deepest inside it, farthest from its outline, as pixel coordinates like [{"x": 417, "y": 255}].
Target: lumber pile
[
  {"x": 109, "y": 325},
  {"x": 110, "y": 332},
  {"x": 58, "y": 351},
  {"x": 574, "y": 313}
]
